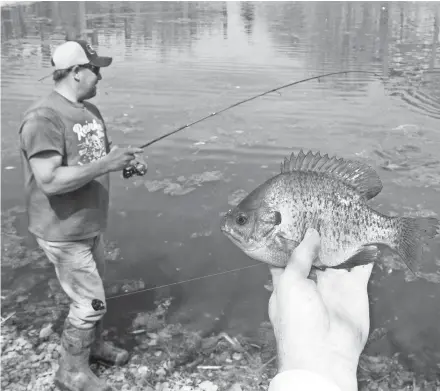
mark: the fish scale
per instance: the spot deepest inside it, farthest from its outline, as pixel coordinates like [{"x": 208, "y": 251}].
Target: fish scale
[{"x": 331, "y": 195}]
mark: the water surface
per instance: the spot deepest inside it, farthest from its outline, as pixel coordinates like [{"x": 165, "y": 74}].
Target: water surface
[{"x": 177, "y": 62}]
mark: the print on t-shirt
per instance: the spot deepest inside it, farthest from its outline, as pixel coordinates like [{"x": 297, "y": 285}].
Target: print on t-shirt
[{"x": 91, "y": 141}]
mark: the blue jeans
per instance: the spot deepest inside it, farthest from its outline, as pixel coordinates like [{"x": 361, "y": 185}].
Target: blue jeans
[{"x": 80, "y": 268}]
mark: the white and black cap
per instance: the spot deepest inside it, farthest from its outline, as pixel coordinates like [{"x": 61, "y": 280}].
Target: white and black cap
[{"x": 77, "y": 52}]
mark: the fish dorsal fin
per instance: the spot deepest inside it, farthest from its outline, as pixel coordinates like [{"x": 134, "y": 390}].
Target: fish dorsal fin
[{"x": 358, "y": 175}]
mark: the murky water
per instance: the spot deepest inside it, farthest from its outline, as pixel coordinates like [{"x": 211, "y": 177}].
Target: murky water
[{"x": 177, "y": 62}]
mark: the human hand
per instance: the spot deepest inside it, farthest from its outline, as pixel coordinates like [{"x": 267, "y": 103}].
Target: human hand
[
  {"x": 139, "y": 163},
  {"x": 321, "y": 327},
  {"x": 119, "y": 158}
]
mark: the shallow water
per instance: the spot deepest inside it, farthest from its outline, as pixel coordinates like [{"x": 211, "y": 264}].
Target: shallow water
[{"x": 177, "y": 62}]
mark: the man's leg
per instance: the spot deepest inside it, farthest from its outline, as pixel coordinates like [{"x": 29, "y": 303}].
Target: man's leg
[
  {"x": 78, "y": 275},
  {"x": 103, "y": 350}
]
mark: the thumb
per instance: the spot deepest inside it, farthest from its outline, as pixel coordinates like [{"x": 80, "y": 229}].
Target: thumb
[
  {"x": 303, "y": 256},
  {"x": 134, "y": 150},
  {"x": 276, "y": 273},
  {"x": 114, "y": 148}
]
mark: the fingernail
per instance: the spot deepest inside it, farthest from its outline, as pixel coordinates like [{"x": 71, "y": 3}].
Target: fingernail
[
  {"x": 311, "y": 233},
  {"x": 312, "y": 239}
]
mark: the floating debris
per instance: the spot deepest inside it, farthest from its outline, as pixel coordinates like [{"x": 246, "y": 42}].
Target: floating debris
[
  {"x": 430, "y": 277},
  {"x": 376, "y": 335},
  {"x": 168, "y": 187},
  {"x": 208, "y": 176},
  {"x": 408, "y": 129},
  {"x": 124, "y": 286},
  {"x": 235, "y": 198},
  {"x": 392, "y": 262},
  {"x": 183, "y": 186},
  {"x": 420, "y": 169},
  {"x": 200, "y": 234},
  {"x": 112, "y": 251}
]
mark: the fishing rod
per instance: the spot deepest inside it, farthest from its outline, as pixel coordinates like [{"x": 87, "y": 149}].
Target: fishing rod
[{"x": 139, "y": 169}]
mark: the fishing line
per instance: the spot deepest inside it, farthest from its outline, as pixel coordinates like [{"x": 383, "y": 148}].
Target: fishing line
[
  {"x": 151, "y": 289},
  {"x": 181, "y": 282},
  {"x": 140, "y": 169}
]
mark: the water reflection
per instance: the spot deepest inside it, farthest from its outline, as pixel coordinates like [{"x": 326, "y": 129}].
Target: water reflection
[
  {"x": 176, "y": 62},
  {"x": 225, "y": 20},
  {"x": 342, "y": 34},
  {"x": 247, "y": 14},
  {"x": 383, "y": 33}
]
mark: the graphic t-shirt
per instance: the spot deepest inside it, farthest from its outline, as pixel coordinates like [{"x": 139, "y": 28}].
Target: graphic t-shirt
[{"x": 78, "y": 133}]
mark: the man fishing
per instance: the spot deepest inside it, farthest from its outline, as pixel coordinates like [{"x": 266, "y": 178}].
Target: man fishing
[{"x": 67, "y": 159}]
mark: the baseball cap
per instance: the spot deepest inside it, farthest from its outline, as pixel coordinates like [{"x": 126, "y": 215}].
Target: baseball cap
[{"x": 77, "y": 52}]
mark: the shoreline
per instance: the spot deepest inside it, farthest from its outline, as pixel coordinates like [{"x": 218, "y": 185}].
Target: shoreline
[{"x": 170, "y": 357}]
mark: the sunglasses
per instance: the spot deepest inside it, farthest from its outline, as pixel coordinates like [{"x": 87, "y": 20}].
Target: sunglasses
[{"x": 93, "y": 68}]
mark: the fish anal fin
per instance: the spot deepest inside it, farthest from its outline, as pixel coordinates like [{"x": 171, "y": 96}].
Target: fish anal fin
[
  {"x": 365, "y": 255},
  {"x": 360, "y": 176}
]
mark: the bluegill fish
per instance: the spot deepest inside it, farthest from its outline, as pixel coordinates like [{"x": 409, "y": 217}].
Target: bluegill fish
[{"x": 329, "y": 195}]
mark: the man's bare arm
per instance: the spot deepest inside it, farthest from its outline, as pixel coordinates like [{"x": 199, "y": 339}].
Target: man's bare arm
[{"x": 53, "y": 178}]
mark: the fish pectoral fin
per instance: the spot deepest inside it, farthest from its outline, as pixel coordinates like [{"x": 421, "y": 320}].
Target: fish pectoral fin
[
  {"x": 284, "y": 238},
  {"x": 364, "y": 256},
  {"x": 283, "y": 242}
]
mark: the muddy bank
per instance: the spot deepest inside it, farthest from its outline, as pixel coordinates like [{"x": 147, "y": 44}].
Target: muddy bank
[{"x": 169, "y": 357}]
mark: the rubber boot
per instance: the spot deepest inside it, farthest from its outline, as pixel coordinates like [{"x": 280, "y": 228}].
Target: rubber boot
[
  {"x": 105, "y": 351},
  {"x": 74, "y": 373}
]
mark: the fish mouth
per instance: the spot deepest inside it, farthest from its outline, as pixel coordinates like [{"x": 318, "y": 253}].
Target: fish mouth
[
  {"x": 238, "y": 240},
  {"x": 231, "y": 234}
]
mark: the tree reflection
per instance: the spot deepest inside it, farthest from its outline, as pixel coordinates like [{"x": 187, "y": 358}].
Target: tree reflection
[
  {"x": 351, "y": 34},
  {"x": 324, "y": 36},
  {"x": 163, "y": 26},
  {"x": 225, "y": 20},
  {"x": 247, "y": 15}
]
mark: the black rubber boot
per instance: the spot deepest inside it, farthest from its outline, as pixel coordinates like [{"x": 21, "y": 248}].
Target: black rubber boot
[
  {"x": 74, "y": 373},
  {"x": 105, "y": 351}
]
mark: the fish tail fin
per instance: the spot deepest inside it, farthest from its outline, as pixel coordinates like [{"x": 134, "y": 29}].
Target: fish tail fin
[{"x": 410, "y": 239}]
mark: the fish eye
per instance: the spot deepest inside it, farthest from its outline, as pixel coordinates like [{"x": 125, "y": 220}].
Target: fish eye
[{"x": 241, "y": 219}]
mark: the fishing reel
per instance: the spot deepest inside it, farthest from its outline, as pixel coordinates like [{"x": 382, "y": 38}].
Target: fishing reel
[{"x": 138, "y": 169}]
